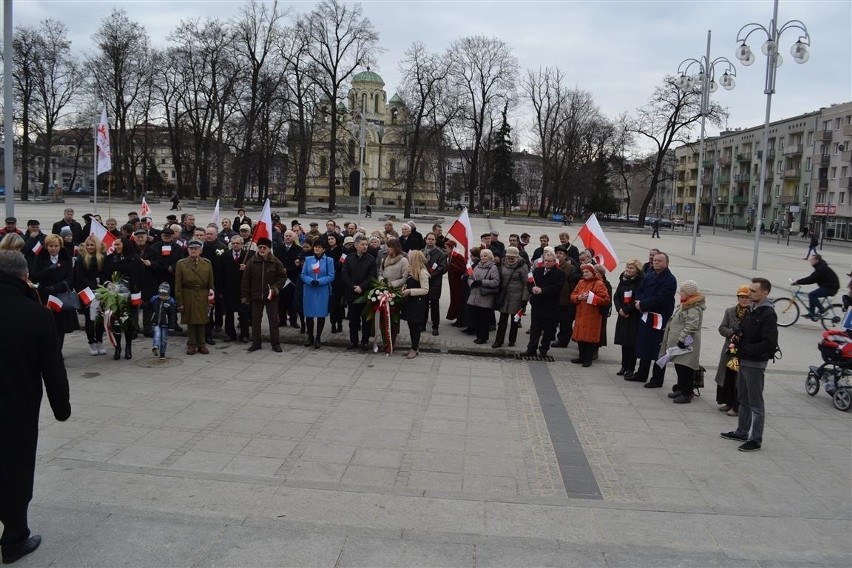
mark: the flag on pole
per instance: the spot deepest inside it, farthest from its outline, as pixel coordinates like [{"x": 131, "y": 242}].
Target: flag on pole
[
  {"x": 461, "y": 232},
  {"x": 86, "y": 295},
  {"x": 653, "y": 319},
  {"x": 144, "y": 210},
  {"x": 54, "y": 303},
  {"x": 103, "y": 235},
  {"x": 104, "y": 151},
  {"x": 217, "y": 216},
  {"x": 263, "y": 229},
  {"x": 594, "y": 238}
]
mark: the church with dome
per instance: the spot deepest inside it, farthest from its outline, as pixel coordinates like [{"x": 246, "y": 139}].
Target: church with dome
[{"x": 385, "y": 157}]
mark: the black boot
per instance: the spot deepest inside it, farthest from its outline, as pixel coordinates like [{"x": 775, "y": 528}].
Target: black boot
[
  {"x": 320, "y": 326},
  {"x": 128, "y": 352},
  {"x": 310, "y": 327},
  {"x": 117, "y": 354}
]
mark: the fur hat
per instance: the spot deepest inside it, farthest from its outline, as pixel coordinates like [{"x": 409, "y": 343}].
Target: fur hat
[
  {"x": 589, "y": 267},
  {"x": 264, "y": 242},
  {"x": 348, "y": 240},
  {"x": 64, "y": 231},
  {"x": 194, "y": 244},
  {"x": 743, "y": 290},
  {"x": 689, "y": 287}
]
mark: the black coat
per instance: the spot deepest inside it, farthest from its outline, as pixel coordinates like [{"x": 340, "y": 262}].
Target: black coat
[
  {"x": 76, "y": 230},
  {"x": 758, "y": 333},
  {"x": 53, "y": 279},
  {"x": 163, "y": 313},
  {"x": 414, "y": 241},
  {"x": 357, "y": 271},
  {"x": 544, "y": 304},
  {"x": 29, "y": 350},
  {"x": 232, "y": 279},
  {"x": 626, "y": 328},
  {"x": 823, "y": 276},
  {"x": 126, "y": 266},
  {"x": 288, "y": 258},
  {"x": 88, "y": 275},
  {"x": 164, "y": 264},
  {"x": 436, "y": 264}
]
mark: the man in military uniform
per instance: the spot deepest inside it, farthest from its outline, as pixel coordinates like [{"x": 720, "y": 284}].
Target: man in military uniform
[{"x": 194, "y": 292}]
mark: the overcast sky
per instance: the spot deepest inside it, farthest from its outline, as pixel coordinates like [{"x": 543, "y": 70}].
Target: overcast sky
[{"x": 618, "y": 51}]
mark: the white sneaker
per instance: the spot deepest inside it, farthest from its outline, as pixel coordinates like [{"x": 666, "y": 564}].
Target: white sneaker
[
  {"x": 101, "y": 350},
  {"x": 93, "y": 348}
]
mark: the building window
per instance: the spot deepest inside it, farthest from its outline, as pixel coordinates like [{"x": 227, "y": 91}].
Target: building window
[
  {"x": 394, "y": 115},
  {"x": 364, "y": 102},
  {"x": 323, "y": 166},
  {"x": 780, "y": 166},
  {"x": 376, "y": 104},
  {"x": 843, "y": 171},
  {"x": 173, "y": 173},
  {"x": 351, "y": 151},
  {"x": 826, "y": 125},
  {"x": 834, "y": 172},
  {"x": 841, "y": 198},
  {"x": 810, "y": 138},
  {"x": 838, "y": 122},
  {"x": 392, "y": 168},
  {"x": 831, "y": 197},
  {"x": 807, "y": 164}
]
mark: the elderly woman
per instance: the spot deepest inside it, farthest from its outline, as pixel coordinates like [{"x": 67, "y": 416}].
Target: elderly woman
[
  {"x": 484, "y": 286},
  {"x": 513, "y": 295},
  {"x": 415, "y": 291},
  {"x": 627, "y": 324},
  {"x": 589, "y": 295},
  {"x": 89, "y": 272},
  {"x": 393, "y": 271},
  {"x": 317, "y": 277},
  {"x": 53, "y": 273},
  {"x": 726, "y": 379},
  {"x": 685, "y": 322}
]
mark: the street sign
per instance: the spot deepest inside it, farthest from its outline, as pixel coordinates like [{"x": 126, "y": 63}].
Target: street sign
[
  {"x": 825, "y": 209},
  {"x": 795, "y": 209}
]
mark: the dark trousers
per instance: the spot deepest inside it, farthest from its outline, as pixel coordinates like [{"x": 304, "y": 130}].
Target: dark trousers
[
  {"x": 727, "y": 393},
  {"x": 13, "y": 517},
  {"x": 482, "y": 318},
  {"x": 815, "y": 296},
  {"x": 243, "y": 318},
  {"x": 587, "y": 351},
  {"x": 565, "y": 321},
  {"x": 415, "y": 330},
  {"x": 257, "y": 309},
  {"x": 685, "y": 376},
  {"x": 335, "y": 311},
  {"x": 544, "y": 329},
  {"x": 94, "y": 332},
  {"x": 147, "y": 314},
  {"x": 628, "y": 357},
  {"x": 752, "y": 412},
  {"x": 502, "y": 323},
  {"x": 358, "y": 324},
  {"x": 658, "y": 375},
  {"x": 286, "y": 308},
  {"x": 433, "y": 311}
]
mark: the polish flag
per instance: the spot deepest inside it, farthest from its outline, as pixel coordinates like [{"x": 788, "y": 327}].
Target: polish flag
[
  {"x": 86, "y": 295},
  {"x": 103, "y": 235},
  {"x": 462, "y": 233},
  {"x": 342, "y": 259},
  {"x": 434, "y": 267},
  {"x": 136, "y": 299},
  {"x": 54, "y": 303},
  {"x": 37, "y": 248},
  {"x": 166, "y": 250},
  {"x": 517, "y": 317},
  {"x": 469, "y": 270},
  {"x": 593, "y": 299},
  {"x": 628, "y": 296},
  {"x": 593, "y": 237},
  {"x": 654, "y": 319},
  {"x": 217, "y": 216},
  {"x": 271, "y": 295},
  {"x": 530, "y": 278},
  {"x": 144, "y": 210},
  {"x": 316, "y": 268},
  {"x": 263, "y": 229}
]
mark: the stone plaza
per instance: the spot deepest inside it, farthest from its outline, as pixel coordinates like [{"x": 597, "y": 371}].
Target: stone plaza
[{"x": 464, "y": 456}]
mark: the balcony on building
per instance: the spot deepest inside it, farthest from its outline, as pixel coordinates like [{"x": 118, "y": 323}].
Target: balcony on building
[
  {"x": 741, "y": 199},
  {"x": 824, "y": 160},
  {"x": 769, "y": 156},
  {"x": 788, "y": 199},
  {"x": 742, "y": 178},
  {"x": 792, "y": 173},
  {"x": 746, "y": 157},
  {"x": 725, "y": 161},
  {"x": 822, "y": 183},
  {"x": 793, "y": 150},
  {"x": 724, "y": 179},
  {"x": 707, "y": 163},
  {"x": 823, "y": 135}
]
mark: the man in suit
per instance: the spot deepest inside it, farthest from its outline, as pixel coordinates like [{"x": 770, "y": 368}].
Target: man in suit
[
  {"x": 546, "y": 285},
  {"x": 357, "y": 271},
  {"x": 288, "y": 254},
  {"x": 655, "y": 295}
]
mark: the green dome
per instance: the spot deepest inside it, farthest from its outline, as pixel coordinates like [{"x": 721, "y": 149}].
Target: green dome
[
  {"x": 368, "y": 77},
  {"x": 396, "y": 99}
]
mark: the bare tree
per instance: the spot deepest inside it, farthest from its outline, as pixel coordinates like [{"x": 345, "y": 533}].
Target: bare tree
[
  {"x": 669, "y": 116},
  {"x": 485, "y": 71},
  {"x": 24, "y": 48},
  {"x": 342, "y": 40},
  {"x": 430, "y": 106}
]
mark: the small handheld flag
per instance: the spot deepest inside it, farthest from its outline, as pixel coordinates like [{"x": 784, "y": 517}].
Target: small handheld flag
[
  {"x": 653, "y": 319},
  {"x": 86, "y": 295},
  {"x": 37, "y": 248},
  {"x": 136, "y": 299},
  {"x": 54, "y": 303}
]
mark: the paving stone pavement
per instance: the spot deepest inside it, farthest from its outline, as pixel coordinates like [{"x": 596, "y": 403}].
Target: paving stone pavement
[{"x": 333, "y": 458}]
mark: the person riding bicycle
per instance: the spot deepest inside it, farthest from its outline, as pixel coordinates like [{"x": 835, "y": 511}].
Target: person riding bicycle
[{"x": 827, "y": 285}]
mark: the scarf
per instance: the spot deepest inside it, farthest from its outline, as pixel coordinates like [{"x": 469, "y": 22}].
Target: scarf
[{"x": 741, "y": 312}]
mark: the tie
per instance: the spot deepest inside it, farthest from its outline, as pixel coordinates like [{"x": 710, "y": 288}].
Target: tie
[{"x": 236, "y": 256}]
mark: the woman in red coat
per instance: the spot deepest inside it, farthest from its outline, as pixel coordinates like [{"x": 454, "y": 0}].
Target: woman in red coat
[
  {"x": 456, "y": 267},
  {"x": 589, "y": 294}
]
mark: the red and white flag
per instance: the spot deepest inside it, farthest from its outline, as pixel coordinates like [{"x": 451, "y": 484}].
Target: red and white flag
[
  {"x": 316, "y": 268},
  {"x": 517, "y": 317},
  {"x": 103, "y": 235},
  {"x": 271, "y": 295},
  {"x": 342, "y": 259},
  {"x": 217, "y": 216},
  {"x": 136, "y": 299},
  {"x": 166, "y": 250},
  {"x": 530, "y": 278},
  {"x": 653, "y": 319},
  {"x": 594, "y": 238},
  {"x": 54, "y": 303},
  {"x": 461, "y": 232},
  {"x": 144, "y": 210},
  {"x": 104, "y": 151},
  {"x": 86, "y": 295},
  {"x": 593, "y": 299},
  {"x": 37, "y": 248},
  {"x": 263, "y": 229},
  {"x": 628, "y": 296}
]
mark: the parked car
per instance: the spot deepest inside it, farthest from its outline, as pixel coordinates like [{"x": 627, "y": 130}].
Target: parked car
[
  {"x": 2, "y": 190},
  {"x": 81, "y": 191},
  {"x": 677, "y": 221}
]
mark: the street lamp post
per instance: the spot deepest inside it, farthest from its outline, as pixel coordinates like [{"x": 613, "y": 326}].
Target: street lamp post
[
  {"x": 799, "y": 51},
  {"x": 705, "y": 83}
]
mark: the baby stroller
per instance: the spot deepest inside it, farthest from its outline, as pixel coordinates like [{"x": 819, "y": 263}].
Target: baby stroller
[{"x": 835, "y": 372}]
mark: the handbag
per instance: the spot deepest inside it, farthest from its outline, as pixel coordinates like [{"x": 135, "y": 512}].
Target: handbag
[
  {"x": 698, "y": 378},
  {"x": 70, "y": 301},
  {"x": 483, "y": 291}
]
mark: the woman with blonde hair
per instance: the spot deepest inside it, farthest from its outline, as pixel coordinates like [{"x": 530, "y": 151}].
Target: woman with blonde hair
[
  {"x": 89, "y": 273},
  {"x": 52, "y": 271},
  {"x": 415, "y": 290},
  {"x": 12, "y": 241},
  {"x": 627, "y": 324},
  {"x": 393, "y": 270}
]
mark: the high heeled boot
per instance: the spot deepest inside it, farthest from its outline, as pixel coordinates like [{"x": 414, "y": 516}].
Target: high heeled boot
[
  {"x": 117, "y": 354},
  {"x": 128, "y": 351},
  {"x": 320, "y": 326}
]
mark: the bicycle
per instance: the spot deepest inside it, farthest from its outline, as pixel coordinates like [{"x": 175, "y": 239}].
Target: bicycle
[{"x": 787, "y": 309}]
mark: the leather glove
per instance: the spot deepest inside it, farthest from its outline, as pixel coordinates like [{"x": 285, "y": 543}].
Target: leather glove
[
  {"x": 476, "y": 284},
  {"x": 314, "y": 283},
  {"x": 681, "y": 345}
]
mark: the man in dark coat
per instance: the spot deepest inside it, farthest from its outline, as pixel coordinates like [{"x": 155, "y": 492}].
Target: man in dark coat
[
  {"x": 214, "y": 251},
  {"x": 410, "y": 239},
  {"x": 288, "y": 253},
  {"x": 30, "y": 354},
  {"x": 827, "y": 284},
  {"x": 147, "y": 281},
  {"x": 656, "y": 295},
  {"x": 233, "y": 267},
  {"x": 241, "y": 219},
  {"x": 545, "y": 287},
  {"x": 436, "y": 264},
  {"x": 356, "y": 273},
  {"x": 68, "y": 221},
  {"x": 566, "y": 310},
  {"x": 262, "y": 281}
]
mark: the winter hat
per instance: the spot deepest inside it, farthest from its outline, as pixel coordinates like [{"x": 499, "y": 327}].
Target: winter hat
[
  {"x": 164, "y": 289},
  {"x": 689, "y": 287},
  {"x": 512, "y": 251},
  {"x": 349, "y": 240},
  {"x": 245, "y": 227},
  {"x": 264, "y": 242},
  {"x": 743, "y": 290},
  {"x": 65, "y": 231}
]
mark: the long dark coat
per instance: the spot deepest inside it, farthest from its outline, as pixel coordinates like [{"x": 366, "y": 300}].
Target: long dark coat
[
  {"x": 193, "y": 281},
  {"x": 455, "y": 280},
  {"x": 55, "y": 280},
  {"x": 626, "y": 328},
  {"x": 29, "y": 350},
  {"x": 656, "y": 294},
  {"x": 544, "y": 304},
  {"x": 436, "y": 265},
  {"x": 232, "y": 279}
]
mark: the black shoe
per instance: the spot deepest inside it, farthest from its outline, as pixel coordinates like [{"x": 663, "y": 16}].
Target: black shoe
[
  {"x": 628, "y": 375},
  {"x": 277, "y": 348},
  {"x": 294, "y": 325},
  {"x": 633, "y": 379},
  {"x": 577, "y": 360},
  {"x": 117, "y": 354},
  {"x": 511, "y": 344},
  {"x": 587, "y": 363},
  {"x": 620, "y": 372},
  {"x": 480, "y": 341},
  {"x": 560, "y": 345},
  {"x": 673, "y": 394},
  {"x": 244, "y": 340},
  {"x": 254, "y": 347},
  {"x": 128, "y": 352},
  {"x": 435, "y": 331},
  {"x": 209, "y": 341},
  {"x": 230, "y": 338},
  {"x": 734, "y": 436},
  {"x": 18, "y": 551},
  {"x": 528, "y": 353},
  {"x": 492, "y": 327},
  {"x": 310, "y": 341},
  {"x": 496, "y": 345},
  {"x": 750, "y": 446},
  {"x": 681, "y": 399},
  {"x": 317, "y": 344},
  {"x": 542, "y": 353},
  {"x": 365, "y": 347},
  {"x": 351, "y": 346},
  {"x": 653, "y": 385}
]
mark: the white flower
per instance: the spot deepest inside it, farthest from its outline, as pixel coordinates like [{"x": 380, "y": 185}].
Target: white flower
[{"x": 220, "y": 252}]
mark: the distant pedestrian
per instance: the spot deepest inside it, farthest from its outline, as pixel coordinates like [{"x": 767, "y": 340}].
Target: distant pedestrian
[
  {"x": 656, "y": 226},
  {"x": 176, "y": 203},
  {"x": 812, "y": 246},
  {"x": 31, "y": 356}
]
